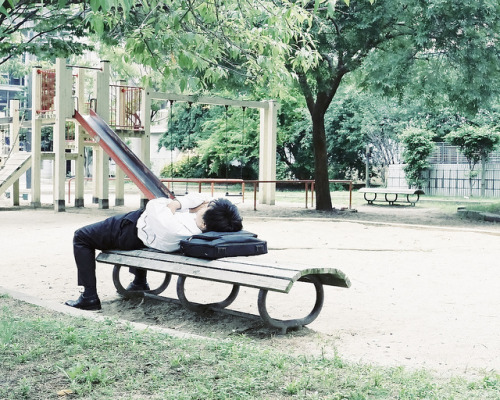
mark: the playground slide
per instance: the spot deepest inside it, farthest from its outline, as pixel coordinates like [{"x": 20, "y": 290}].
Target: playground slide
[
  {"x": 131, "y": 165},
  {"x": 16, "y": 165}
]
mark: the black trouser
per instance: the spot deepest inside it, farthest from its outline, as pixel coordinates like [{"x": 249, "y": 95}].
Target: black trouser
[{"x": 118, "y": 233}]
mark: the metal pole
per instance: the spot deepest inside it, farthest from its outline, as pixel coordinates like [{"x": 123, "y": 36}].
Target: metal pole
[{"x": 367, "y": 165}]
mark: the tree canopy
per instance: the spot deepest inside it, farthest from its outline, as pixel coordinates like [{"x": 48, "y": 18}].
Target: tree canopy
[
  {"x": 198, "y": 43},
  {"x": 475, "y": 142},
  {"x": 45, "y": 29}
]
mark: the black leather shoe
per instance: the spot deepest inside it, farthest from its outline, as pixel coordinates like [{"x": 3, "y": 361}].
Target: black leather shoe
[
  {"x": 136, "y": 287},
  {"x": 85, "y": 303}
]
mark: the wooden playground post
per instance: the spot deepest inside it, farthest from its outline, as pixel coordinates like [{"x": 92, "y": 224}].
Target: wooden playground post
[
  {"x": 14, "y": 142},
  {"x": 267, "y": 153},
  {"x": 63, "y": 111},
  {"x": 36, "y": 138},
  {"x": 79, "y": 141},
  {"x": 101, "y": 158},
  {"x": 145, "y": 155},
  {"x": 120, "y": 121}
]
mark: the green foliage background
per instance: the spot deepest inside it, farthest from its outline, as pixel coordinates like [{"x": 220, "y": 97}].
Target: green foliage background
[
  {"x": 418, "y": 146},
  {"x": 347, "y": 73}
]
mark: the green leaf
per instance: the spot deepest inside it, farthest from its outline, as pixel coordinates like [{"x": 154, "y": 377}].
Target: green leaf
[
  {"x": 330, "y": 8},
  {"x": 183, "y": 84},
  {"x": 316, "y": 5},
  {"x": 98, "y": 24},
  {"x": 95, "y": 4}
]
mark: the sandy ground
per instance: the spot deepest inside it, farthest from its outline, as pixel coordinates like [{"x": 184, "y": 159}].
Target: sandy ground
[{"x": 424, "y": 285}]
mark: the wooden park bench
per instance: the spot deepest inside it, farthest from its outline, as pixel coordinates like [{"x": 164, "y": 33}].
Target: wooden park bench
[
  {"x": 236, "y": 271},
  {"x": 391, "y": 195}
]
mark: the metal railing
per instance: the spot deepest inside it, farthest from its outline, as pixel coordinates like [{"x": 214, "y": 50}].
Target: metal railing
[
  {"x": 125, "y": 107},
  {"x": 308, "y": 186},
  {"x": 47, "y": 90}
]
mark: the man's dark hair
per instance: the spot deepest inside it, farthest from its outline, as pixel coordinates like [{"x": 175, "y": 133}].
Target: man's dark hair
[{"x": 222, "y": 216}]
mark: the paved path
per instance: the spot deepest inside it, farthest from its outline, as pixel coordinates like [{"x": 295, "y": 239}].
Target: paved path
[{"x": 420, "y": 297}]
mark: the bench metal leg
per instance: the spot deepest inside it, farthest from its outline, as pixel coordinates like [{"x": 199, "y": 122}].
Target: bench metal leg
[
  {"x": 284, "y": 325},
  {"x": 411, "y": 198},
  {"x": 202, "y": 307},
  {"x": 370, "y": 201},
  {"x": 391, "y": 202},
  {"x": 127, "y": 293}
]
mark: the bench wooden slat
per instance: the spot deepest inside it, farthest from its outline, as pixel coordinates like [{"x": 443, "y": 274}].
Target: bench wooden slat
[
  {"x": 218, "y": 275},
  {"x": 391, "y": 190},
  {"x": 237, "y": 270},
  {"x": 233, "y": 264},
  {"x": 328, "y": 276}
]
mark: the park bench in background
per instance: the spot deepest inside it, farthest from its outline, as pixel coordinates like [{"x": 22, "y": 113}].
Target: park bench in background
[
  {"x": 392, "y": 195},
  {"x": 237, "y": 271}
]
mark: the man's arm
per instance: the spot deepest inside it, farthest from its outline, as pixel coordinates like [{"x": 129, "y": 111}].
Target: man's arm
[
  {"x": 191, "y": 202},
  {"x": 174, "y": 205}
]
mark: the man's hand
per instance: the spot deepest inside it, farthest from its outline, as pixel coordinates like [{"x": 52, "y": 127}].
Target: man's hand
[
  {"x": 196, "y": 209},
  {"x": 192, "y": 200}
]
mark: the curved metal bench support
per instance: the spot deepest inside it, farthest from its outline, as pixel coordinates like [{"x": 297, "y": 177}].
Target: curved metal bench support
[
  {"x": 392, "y": 196},
  {"x": 370, "y": 201},
  {"x": 128, "y": 293},
  {"x": 284, "y": 325},
  {"x": 412, "y": 202},
  {"x": 391, "y": 202},
  {"x": 202, "y": 307}
]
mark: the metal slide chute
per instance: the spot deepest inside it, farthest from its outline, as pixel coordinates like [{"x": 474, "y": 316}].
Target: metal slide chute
[{"x": 148, "y": 183}]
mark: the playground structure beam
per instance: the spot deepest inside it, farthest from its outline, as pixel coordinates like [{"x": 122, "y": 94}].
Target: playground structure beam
[{"x": 217, "y": 101}]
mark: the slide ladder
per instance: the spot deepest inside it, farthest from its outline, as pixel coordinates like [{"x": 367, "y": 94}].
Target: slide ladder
[
  {"x": 16, "y": 165},
  {"x": 148, "y": 183}
]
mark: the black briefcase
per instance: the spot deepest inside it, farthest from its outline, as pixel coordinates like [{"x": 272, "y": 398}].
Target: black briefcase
[{"x": 214, "y": 245}]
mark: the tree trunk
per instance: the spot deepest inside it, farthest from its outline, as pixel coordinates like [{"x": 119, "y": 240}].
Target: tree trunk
[
  {"x": 322, "y": 186},
  {"x": 317, "y": 108}
]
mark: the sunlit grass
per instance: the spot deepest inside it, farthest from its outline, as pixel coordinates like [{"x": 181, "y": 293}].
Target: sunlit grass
[{"x": 44, "y": 354}]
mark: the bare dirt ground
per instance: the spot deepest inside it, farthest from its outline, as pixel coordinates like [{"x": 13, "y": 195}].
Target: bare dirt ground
[{"x": 424, "y": 283}]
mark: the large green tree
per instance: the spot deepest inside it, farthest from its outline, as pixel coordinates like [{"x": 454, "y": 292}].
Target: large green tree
[{"x": 452, "y": 45}]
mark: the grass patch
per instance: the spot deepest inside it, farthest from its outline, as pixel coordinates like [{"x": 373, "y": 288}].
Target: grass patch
[
  {"x": 493, "y": 208},
  {"x": 43, "y": 353}
]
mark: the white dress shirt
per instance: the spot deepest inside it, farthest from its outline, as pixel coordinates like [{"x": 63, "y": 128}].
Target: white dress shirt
[{"x": 159, "y": 228}]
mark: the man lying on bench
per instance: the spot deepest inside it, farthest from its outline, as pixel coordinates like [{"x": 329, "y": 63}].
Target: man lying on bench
[{"x": 161, "y": 225}]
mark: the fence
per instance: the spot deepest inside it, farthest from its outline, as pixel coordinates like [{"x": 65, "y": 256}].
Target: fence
[
  {"x": 308, "y": 187},
  {"x": 47, "y": 91},
  {"x": 125, "y": 107},
  {"x": 451, "y": 180},
  {"x": 445, "y": 153}
]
